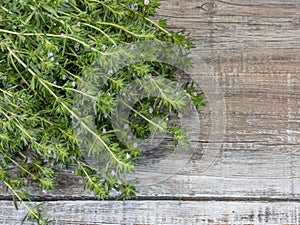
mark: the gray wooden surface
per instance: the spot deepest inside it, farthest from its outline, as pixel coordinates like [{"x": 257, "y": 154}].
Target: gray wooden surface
[
  {"x": 160, "y": 212},
  {"x": 252, "y": 46}
]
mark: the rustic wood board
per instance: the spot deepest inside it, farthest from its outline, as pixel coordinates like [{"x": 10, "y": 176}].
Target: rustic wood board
[
  {"x": 252, "y": 47},
  {"x": 159, "y": 212}
]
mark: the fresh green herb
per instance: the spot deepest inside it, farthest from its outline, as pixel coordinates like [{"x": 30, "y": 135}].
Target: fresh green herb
[{"x": 45, "y": 48}]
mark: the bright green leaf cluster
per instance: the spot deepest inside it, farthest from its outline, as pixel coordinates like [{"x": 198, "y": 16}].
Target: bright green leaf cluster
[{"x": 45, "y": 48}]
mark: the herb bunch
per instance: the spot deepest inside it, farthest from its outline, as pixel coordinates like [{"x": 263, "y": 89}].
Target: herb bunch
[{"x": 45, "y": 48}]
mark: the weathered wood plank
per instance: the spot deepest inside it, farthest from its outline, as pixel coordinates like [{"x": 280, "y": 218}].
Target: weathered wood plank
[
  {"x": 159, "y": 212},
  {"x": 253, "y": 50}
]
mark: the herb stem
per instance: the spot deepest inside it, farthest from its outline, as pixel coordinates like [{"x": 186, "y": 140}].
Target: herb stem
[
  {"x": 64, "y": 36},
  {"x": 20, "y": 199}
]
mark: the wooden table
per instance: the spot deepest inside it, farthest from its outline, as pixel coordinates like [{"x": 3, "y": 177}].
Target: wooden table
[{"x": 252, "y": 47}]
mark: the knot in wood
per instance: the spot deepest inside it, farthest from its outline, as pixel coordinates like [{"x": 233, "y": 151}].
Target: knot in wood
[
  {"x": 208, "y": 6},
  {"x": 296, "y": 22}
]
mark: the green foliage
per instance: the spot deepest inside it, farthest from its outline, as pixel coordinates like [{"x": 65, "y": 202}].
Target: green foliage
[{"x": 45, "y": 48}]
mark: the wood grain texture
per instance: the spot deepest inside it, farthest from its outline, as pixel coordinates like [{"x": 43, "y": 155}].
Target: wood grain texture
[
  {"x": 157, "y": 212},
  {"x": 252, "y": 48}
]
